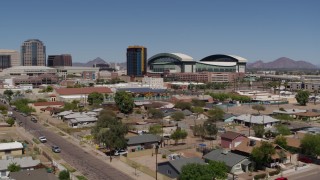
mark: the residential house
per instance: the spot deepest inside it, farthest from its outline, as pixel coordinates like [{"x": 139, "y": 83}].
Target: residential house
[
  {"x": 41, "y": 105},
  {"x": 79, "y": 122},
  {"x": 11, "y": 149},
  {"x": 251, "y": 120},
  {"x": 26, "y": 163},
  {"x": 246, "y": 146},
  {"x": 236, "y": 163},
  {"x": 145, "y": 141},
  {"x": 173, "y": 168},
  {"x": 36, "y": 174},
  {"x": 231, "y": 139},
  {"x": 228, "y": 118},
  {"x": 290, "y": 112},
  {"x": 309, "y": 115}
]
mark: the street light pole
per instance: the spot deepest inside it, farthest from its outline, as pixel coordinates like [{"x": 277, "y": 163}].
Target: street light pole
[{"x": 157, "y": 148}]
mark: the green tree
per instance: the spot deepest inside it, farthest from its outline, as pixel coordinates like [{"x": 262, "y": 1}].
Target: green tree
[
  {"x": 183, "y": 105},
  {"x": 17, "y": 93},
  {"x": 91, "y": 84},
  {"x": 218, "y": 170},
  {"x": 155, "y": 129},
  {"x": 42, "y": 100},
  {"x": 124, "y": 101},
  {"x": 22, "y": 106},
  {"x": 283, "y": 130},
  {"x": 283, "y": 117},
  {"x": 258, "y": 131},
  {"x": 215, "y": 114},
  {"x": 310, "y": 145},
  {"x": 95, "y": 98},
  {"x": 109, "y": 131},
  {"x": 10, "y": 121},
  {"x": 197, "y": 102},
  {"x": 155, "y": 113},
  {"x": 177, "y": 116},
  {"x": 262, "y": 154},
  {"x": 195, "y": 171},
  {"x": 179, "y": 134},
  {"x": 64, "y": 175},
  {"x": 197, "y": 110},
  {"x": 258, "y": 108},
  {"x": 213, "y": 170},
  {"x": 49, "y": 89},
  {"x": 8, "y": 93},
  {"x": 210, "y": 128},
  {"x": 281, "y": 141},
  {"x": 302, "y": 97},
  {"x": 14, "y": 167}
]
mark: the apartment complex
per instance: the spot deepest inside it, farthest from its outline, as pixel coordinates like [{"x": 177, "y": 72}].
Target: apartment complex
[
  {"x": 59, "y": 60},
  {"x": 136, "y": 61},
  {"x": 33, "y": 53},
  {"x": 9, "y": 58}
]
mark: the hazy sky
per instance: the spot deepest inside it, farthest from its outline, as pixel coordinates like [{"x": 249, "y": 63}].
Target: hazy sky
[{"x": 253, "y": 29}]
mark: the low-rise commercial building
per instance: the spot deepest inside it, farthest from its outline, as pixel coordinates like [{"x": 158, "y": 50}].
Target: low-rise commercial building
[{"x": 81, "y": 72}]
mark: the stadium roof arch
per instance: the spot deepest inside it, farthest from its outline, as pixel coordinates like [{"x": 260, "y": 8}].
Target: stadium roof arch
[
  {"x": 224, "y": 58},
  {"x": 178, "y": 56}
]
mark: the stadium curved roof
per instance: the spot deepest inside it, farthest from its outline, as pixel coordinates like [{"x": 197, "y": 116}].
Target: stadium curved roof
[
  {"x": 178, "y": 56},
  {"x": 218, "y": 57}
]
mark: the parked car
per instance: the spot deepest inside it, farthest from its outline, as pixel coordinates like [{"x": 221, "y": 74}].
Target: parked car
[
  {"x": 120, "y": 152},
  {"x": 56, "y": 149},
  {"x": 42, "y": 139},
  {"x": 305, "y": 159},
  {"x": 281, "y": 178}
]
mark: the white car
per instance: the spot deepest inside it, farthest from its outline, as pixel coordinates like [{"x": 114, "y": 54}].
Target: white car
[
  {"x": 120, "y": 152},
  {"x": 42, "y": 139}
]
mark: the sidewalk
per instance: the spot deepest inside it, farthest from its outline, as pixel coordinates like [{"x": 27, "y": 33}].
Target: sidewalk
[{"x": 116, "y": 163}]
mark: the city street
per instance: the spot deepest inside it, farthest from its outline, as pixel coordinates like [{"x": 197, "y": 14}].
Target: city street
[
  {"x": 89, "y": 165},
  {"x": 308, "y": 175}
]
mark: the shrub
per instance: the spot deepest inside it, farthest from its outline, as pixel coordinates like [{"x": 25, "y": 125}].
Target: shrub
[
  {"x": 164, "y": 156},
  {"x": 272, "y": 173},
  {"x": 260, "y": 176}
]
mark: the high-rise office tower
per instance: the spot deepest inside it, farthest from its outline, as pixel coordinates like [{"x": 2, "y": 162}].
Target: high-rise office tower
[
  {"x": 59, "y": 60},
  {"x": 9, "y": 58},
  {"x": 136, "y": 61},
  {"x": 33, "y": 53}
]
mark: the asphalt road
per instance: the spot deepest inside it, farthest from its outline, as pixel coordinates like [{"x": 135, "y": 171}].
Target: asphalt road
[
  {"x": 89, "y": 165},
  {"x": 309, "y": 175}
]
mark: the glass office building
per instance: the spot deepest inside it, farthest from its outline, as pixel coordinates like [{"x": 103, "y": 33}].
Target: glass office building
[{"x": 136, "y": 61}]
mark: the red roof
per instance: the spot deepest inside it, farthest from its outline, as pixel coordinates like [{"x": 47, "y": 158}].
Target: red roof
[
  {"x": 54, "y": 103},
  {"x": 231, "y": 135},
  {"x": 86, "y": 90}
]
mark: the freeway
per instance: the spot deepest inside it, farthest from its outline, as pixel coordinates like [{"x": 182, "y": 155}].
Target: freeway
[{"x": 89, "y": 165}]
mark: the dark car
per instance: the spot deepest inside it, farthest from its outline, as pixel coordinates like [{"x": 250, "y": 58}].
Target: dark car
[
  {"x": 56, "y": 149},
  {"x": 305, "y": 159}
]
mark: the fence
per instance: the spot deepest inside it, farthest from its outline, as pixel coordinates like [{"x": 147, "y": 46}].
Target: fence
[{"x": 143, "y": 169}]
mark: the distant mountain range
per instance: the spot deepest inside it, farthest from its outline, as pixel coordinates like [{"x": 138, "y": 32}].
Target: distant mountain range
[
  {"x": 98, "y": 60},
  {"x": 282, "y": 63}
]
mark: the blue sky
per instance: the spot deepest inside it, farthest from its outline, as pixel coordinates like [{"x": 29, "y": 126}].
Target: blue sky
[{"x": 265, "y": 29}]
